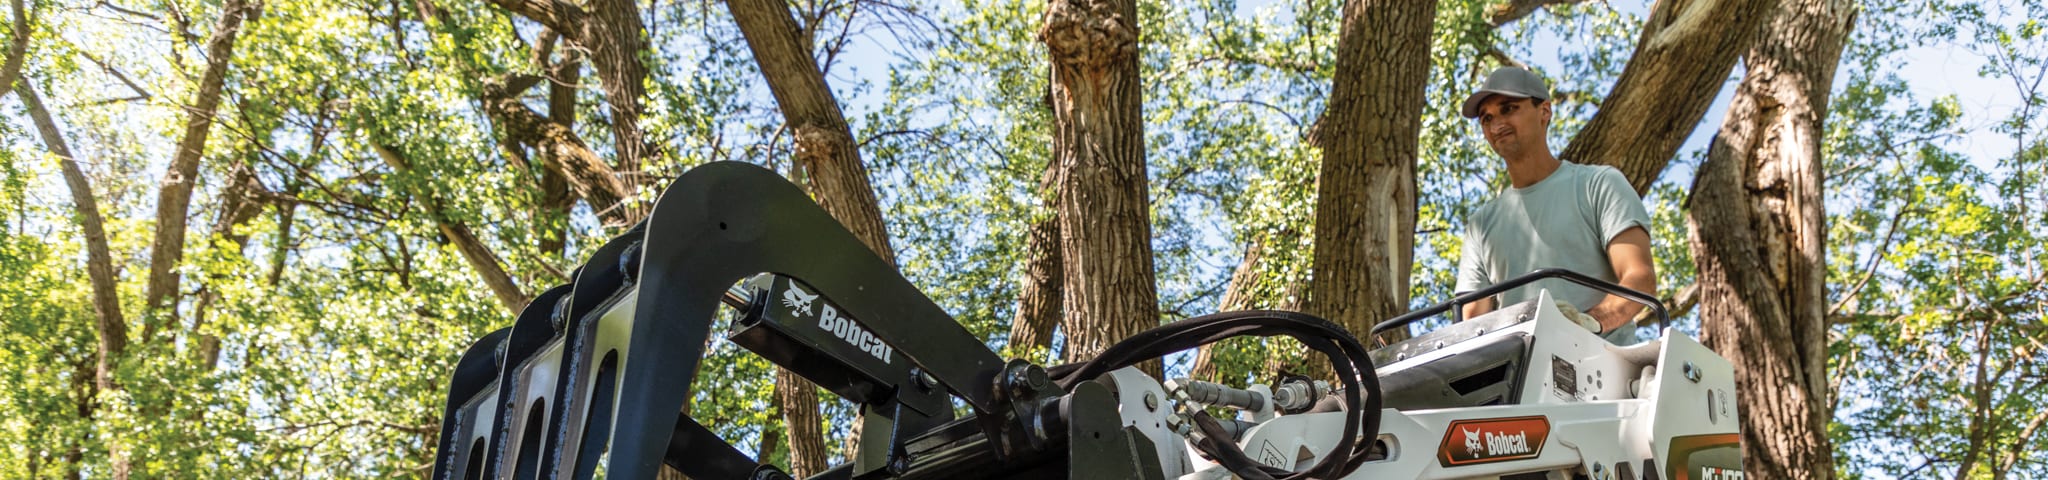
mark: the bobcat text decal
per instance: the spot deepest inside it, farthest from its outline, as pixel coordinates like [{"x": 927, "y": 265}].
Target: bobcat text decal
[
  {"x": 829, "y": 319},
  {"x": 1488, "y": 440}
]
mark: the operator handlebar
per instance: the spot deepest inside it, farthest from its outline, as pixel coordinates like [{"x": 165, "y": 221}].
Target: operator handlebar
[{"x": 1651, "y": 302}]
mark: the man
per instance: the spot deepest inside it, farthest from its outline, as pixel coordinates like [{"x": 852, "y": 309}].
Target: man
[{"x": 1556, "y": 214}]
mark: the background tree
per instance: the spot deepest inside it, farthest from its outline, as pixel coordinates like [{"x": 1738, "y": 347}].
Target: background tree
[
  {"x": 1098, "y": 173},
  {"x": 826, "y": 155},
  {"x": 1365, "y": 196},
  {"x": 1764, "y": 309}
]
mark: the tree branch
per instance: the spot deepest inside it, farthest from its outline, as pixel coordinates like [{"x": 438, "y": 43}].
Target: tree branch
[
  {"x": 17, "y": 51},
  {"x": 1683, "y": 57},
  {"x": 479, "y": 256},
  {"x": 175, "y": 198},
  {"x": 560, "y": 150},
  {"x": 106, "y": 302},
  {"x": 1506, "y": 13}
]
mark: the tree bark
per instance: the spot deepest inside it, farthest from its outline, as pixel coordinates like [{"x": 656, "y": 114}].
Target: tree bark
[
  {"x": 17, "y": 49},
  {"x": 175, "y": 196},
  {"x": 1365, "y": 194},
  {"x": 1685, "y": 52},
  {"x": 480, "y": 257},
  {"x": 1038, "y": 309},
  {"x": 1513, "y": 10},
  {"x": 616, "y": 38},
  {"x": 1098, "y": 174},
  {"x": 99, "y": 266},
  {"x": 561, "y": 151},
  {"x": 556, "y": 195},
  {"x": 1759, "y": 236},
  {"x": 805, "y": 427},
  {"x": 824, "y": 142}
]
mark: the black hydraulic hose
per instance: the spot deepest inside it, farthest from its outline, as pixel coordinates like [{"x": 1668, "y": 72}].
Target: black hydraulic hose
[{"x": 1361, "y": 392}]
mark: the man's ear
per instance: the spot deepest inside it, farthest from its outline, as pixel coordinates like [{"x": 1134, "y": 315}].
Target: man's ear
[{"x": 1545, "y": 106}]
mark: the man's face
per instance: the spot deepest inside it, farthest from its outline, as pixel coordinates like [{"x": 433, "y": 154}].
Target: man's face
[{"x": 1513, "y": 125}]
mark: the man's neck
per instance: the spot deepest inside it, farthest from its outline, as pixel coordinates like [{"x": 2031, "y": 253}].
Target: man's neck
[{"x": 1526, "y": 170}]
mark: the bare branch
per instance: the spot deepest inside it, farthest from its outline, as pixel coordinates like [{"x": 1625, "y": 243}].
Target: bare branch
[
  {"x": 1518, "y": 9},
  {"x": 140, "y": 92}
]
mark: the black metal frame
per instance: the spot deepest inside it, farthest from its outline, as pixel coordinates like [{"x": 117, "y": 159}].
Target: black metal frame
[
  {"x": 1651, "y": 302},
  {"x": 634, "y": 326}
]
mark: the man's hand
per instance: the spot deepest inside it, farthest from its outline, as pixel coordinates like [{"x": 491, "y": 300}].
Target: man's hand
[
  {"x": 1629, "y": 254},
  {"x": 1572, "y": 312}
]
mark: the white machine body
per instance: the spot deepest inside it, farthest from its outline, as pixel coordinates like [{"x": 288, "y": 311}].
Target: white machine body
[{"x": 1576, "y": 407}]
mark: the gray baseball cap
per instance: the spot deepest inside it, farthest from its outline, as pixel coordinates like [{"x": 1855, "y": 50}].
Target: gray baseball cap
[{"x": 1510, "y": 81}]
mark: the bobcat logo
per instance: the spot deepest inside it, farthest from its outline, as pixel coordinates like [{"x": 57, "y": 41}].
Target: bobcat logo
[
  {"x": 798, "y": 300},
  {"x": 1472, "y": 444}
]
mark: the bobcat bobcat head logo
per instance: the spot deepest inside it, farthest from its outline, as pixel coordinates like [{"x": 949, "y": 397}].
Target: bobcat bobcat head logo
[
  {"x": 1472, "y": 443},
  {"x": 798, "y": 300}
]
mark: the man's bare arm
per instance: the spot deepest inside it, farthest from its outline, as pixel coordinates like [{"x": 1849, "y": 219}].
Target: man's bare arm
[
  {"x": 1629, "y": 254},
  {"x": 1477, "y": 307}
]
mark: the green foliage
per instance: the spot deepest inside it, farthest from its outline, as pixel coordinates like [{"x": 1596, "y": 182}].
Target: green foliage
[
  {"x": 340, "y": 307},
  {"x": 1936, "y": 248}
]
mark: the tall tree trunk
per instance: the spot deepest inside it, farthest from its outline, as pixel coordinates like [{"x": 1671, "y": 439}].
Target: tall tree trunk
[
  {"x": 1038, "y": 308},
  {"x": 1685, "y": 52},
  {"x": 805, "y": 425},
  {"x": 1365, "y": 194},
  {"x": 837, "y": 179},
  {"x": 824, "y": 143},
  {"x": 1098, "y": 174},
  {"x": 175, "y": 197},
  {"x": 1759, "y": 236},
  {"x": 99, "y": 265}
]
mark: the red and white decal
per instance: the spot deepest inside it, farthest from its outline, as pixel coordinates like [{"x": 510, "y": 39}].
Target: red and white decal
[{"x": 1489, "y": 440}]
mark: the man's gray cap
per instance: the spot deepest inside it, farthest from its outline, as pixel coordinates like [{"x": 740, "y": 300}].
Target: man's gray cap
[{"x": 1510, "y": 81}]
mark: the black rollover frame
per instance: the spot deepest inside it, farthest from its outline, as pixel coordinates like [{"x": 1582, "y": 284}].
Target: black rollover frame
[{"x": 599, "y": 370}]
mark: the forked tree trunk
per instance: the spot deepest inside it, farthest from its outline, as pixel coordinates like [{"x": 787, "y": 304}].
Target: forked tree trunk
[
  {"x": 614, "y": 36},
  {"x": 1685, "y": 52},
  {"x": 1365, "y": 193},
  {"x": 1098, "y": 174},
  {"x": 1759, "y": 237}
]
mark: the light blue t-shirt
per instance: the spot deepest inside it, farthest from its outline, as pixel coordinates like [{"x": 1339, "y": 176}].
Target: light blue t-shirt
[{"x": 1564, "y": 221}]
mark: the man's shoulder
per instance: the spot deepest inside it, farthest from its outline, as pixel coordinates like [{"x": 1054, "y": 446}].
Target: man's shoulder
[{"x": 1591, "y": 173}]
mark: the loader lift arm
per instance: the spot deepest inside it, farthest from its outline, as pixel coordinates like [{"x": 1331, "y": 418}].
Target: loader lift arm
[{"x": 600, "y": 370}]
